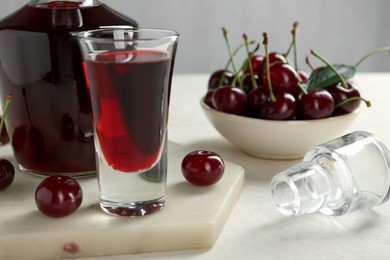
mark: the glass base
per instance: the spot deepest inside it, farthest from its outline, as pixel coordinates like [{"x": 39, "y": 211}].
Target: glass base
[
  {"x": 77, "y": 175},
  {"x": 135, "y": 209}
]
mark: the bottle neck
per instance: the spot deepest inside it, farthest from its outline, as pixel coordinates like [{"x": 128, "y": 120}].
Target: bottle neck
[
  {"x": 345, "y": 174},
  {"x": 63, "y": 3},
  {"x": 301, "y": 189}
]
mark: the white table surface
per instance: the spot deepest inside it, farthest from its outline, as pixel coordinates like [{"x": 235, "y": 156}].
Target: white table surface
[{"x": 255, "y": 229}]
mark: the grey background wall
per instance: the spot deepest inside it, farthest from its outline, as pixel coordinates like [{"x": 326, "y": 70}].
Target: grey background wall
[{"x": 341, "y": 30}]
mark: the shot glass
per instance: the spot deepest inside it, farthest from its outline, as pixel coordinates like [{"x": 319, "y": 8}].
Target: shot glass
[{"x": 128, "y": 73}]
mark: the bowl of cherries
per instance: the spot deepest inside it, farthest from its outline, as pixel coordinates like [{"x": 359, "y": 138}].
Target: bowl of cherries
[{"x": 269, "y": 108}]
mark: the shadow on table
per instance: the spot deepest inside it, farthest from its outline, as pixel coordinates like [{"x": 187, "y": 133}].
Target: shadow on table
[
  {"x": 317, "y": 226},
  {"x": 256, "y": 169}
]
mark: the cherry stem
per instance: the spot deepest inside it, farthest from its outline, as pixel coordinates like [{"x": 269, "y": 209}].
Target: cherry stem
[
  {"x": 308, "y": 63},
  {"x": 7, "y": 102},
  {"x": 294, "y": 33},
  {"x": 250, "y": 55},
  {"x": 231, "y": 56},
  {"x": 375, "y": 51},
  {"x": 298, "y": 76},
  {"x": 368, "y": 103},
  {"x": 289, "y": 49},
  {"x": 265, "y": 43},
  {"x": 256, "y": 48},
  {"x": 245, "y": 64},
  {"x": 235, "y": 79},
  {"x": 304, "y": 91},
  {"x": 345, "y": 85},
  {"x": 230, "y": 61}
]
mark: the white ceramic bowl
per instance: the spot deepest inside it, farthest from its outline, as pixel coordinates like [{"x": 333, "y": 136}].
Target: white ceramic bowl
[{"x": 273, "y": 139}]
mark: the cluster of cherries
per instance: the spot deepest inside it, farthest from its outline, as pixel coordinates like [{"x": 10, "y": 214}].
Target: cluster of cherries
[{"x": 269, "y": 87}]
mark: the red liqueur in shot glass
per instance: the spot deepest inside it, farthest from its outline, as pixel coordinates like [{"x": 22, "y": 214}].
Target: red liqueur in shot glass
[{"x": 129, "y": 74}]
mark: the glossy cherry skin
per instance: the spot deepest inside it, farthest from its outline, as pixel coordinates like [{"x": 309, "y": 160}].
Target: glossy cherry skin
[
  {"x": 7, "y": 174},
  {"x": 202, "y": 168},
  {"x": 316, "y": 104},
  {"x": 276, "y": 57},
  {"x": 230, "y": 100},
  {"x": 247, "y": 83},
  {"x": 283, "y": 108},
  {"x": 208, "y": 98},
  {"x": 255, "y": 102},
  {"x": 340, "y": 93},
  {"x": 216, "y": 76},
  {"x": 58, "y": 196},
  {"x": 303, "y": 76},
  {"x": 283, "y": 78},
  {"x": 257, "y": 62}
]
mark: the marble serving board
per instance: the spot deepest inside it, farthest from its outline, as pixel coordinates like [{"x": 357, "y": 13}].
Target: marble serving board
[{"x": 193, "y": 218}]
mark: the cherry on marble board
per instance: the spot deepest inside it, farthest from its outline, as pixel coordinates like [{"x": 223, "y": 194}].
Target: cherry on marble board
[{"x": 202, "y": 168}]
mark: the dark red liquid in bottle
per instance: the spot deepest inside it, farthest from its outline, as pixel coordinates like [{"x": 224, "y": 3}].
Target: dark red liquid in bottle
[
  {"x": 50, "y": 118},
  {"x": 130, "y": 101}
]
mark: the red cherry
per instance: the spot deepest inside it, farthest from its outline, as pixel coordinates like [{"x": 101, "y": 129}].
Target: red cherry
[
  {"x": 257, "y": 62},
  {"x": 303, "y": 75},
  {"x": 276, "y": 57},
  {"x": 340, "y": 93},
  {"x": 215, "y": 79},
  {"x": 208, "y": 98},
  {"x": 58, "y": 196},
  {"x": 283, "y": 78},
  {"x": 230, "y": 100},
  {"x": 316, "y": 104},
  {"x": 202, "y": 168},
  {"x": 283, "y": 108},
  {"x": 7, "y": 174},
  {"x": 255, "y": 102},
  {"x": 247, "y": 83}
]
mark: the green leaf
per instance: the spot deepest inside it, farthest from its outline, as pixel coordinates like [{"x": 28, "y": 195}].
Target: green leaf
[{"x": 325, "y": 76}]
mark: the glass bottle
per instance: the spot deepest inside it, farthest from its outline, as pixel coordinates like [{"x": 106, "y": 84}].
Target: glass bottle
[
  {"x": 49, "y": 121},
  {"x": 335, "y": 178}
]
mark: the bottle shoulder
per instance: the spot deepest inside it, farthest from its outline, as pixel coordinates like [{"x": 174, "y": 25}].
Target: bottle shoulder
[
  {"x": 29, "y": 18},
  {"x": 66, "y": 3}
]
